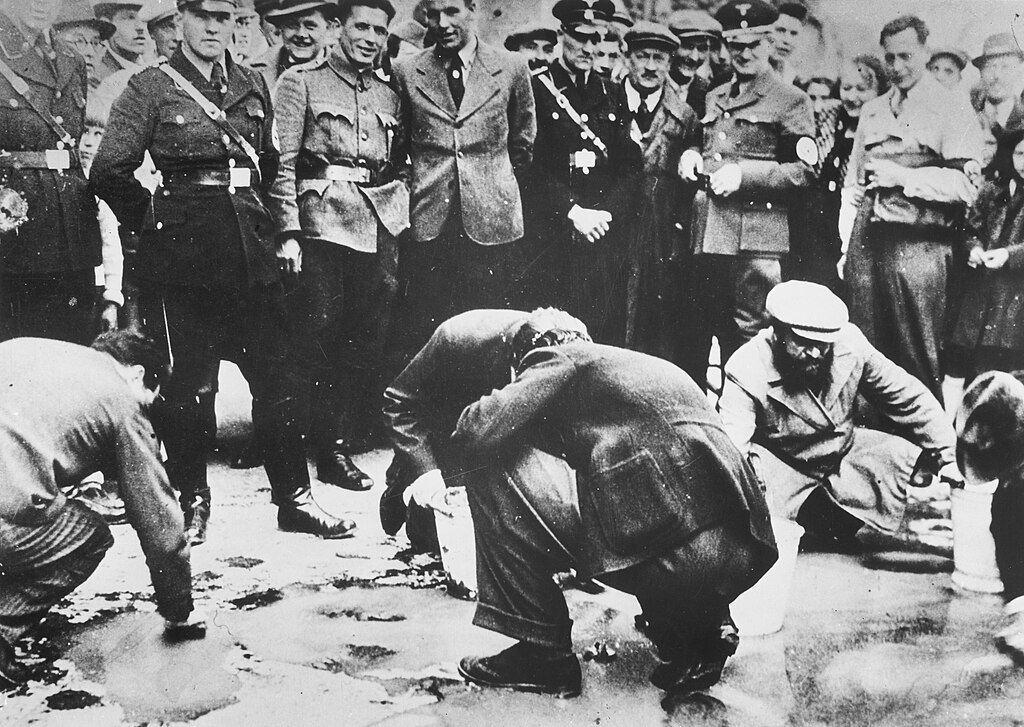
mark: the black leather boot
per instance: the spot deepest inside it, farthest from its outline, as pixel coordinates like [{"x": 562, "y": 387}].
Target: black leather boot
[
  {"x": 334, "y": 467},
  {"x": 301, "y": 514}
]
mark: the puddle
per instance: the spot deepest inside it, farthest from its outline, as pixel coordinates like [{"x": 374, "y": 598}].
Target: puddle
[
  {"x": 71, "y": 699},
  {"x": 258, "y": 599},
  {"x": 240, "y": 561}
]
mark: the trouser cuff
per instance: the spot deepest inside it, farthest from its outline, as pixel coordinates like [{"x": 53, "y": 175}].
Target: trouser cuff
[{"x": 552, "y": 636}]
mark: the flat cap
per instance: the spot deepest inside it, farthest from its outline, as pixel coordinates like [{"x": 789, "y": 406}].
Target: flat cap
[
  {"x": 808, "y": 309},
  {"x": 289, "y": 8},
  {"x": 578, "y": 12},
  {"x": 794, "y": 10},
  {"x": 646, "y": 34},
  {"x": 1000, "y": 44},
  {"x": 210, "y": 5},
  {"x": 153, "y": 11},
  {"x": 530, "y": 31},
  {"x": 956, "y": 54},
  {"x": 79, "y": 12},
  {"x": 246, "y": 9},
  {"x": 693, "y": 22},
  {"x": 106, "y": 7},
  {"x": 746, "y": 17}
]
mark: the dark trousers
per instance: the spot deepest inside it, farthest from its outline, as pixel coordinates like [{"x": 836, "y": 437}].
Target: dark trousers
[
  {"x": 41, "y": 564},
  {"x": 340, "y": 309},
  {"x": 1008, "y": 533},
  {"x": 684, "y": 592},
  {"x": 448, "y": 275},
  {"x": 48, "y": 305},
  {"x": 596, "y": 283},
  {"x": 202, "y": 328}
]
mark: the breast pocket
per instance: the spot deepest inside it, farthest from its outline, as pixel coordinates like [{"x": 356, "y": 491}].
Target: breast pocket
[
  {"x": 635, "y": 504},
  {"x": 251, "y": 122},
  {"x": 336, "y": 124}
]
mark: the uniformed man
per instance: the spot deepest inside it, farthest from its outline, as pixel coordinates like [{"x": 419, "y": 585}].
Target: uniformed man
[
  {"x": 307, "y": 28},
  {"x": 758, "y": 149},
  {"x": 340, "y": 205},
  {"x": 206, "y": 267},
  {"x": 695, "y": 30},
  {"x": 581, "y": 190},
  {"x": 79, "y": 27},
  {"x": 51, "y": 244},
  {"x": 128, "y": 43},
  {"x": 660, "y": 259}
]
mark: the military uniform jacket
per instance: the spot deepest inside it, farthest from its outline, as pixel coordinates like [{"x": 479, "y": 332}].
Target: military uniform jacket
[
  {"x": 813, "y": 433},
  {"x": 61, "y": 233},
  {"x": 556, "y": 183},
  {"x": 759, "y": 130},
  {"x": 653, "y": 464},
  {"x": 329, "y": 113},
  {"x": 468, "y": 155},
  {"x": 191, "y": 235}
]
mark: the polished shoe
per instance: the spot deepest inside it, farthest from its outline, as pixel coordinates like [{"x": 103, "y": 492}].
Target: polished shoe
[
  {"x": 392, "y": 509},
  {"x": 12, "y": 672},
  {"x": 334, "y": 467},
  {"x": 250, "y": 457},
  {"x": 197, "y": 520},
  {"x": 305, "y": 516},
  {"x": 522, "y": 667},
  {"x": 694, "y": 672}
]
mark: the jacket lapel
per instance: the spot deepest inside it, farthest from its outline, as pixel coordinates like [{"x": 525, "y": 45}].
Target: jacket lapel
[
  {"x": 482, "y": 85},
  {"x": 238, "y": 85},
  {"x": 752, "y": 93},
  {"x": 432, "y": 83}
]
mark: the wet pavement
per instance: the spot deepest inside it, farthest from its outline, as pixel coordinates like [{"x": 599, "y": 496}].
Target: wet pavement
[{"x": 361, "y": 632}]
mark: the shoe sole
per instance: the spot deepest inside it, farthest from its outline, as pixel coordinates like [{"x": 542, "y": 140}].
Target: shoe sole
[
  {"x": 566, "y": 693},
  {"x": 341, "y": 536}
]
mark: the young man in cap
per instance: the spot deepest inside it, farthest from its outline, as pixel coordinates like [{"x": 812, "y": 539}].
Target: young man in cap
[
  {"x": 787, "y": 30},
  {"x": 665, "y": 507},
  {"x": 536, "y": 42},
  {"x": 307, "y": 28},
  {"x": 79, "y": 27},
  {"x": 247, "y": 42},
  {"x": 581, "y": 190},
  {"x": 206, "y": 267},
  {"x": 608, "y": 55},
  {"x": 695, "y": 30},
  {"x": 47, "y": 282},
  {"x": 758, "y": 152},
  {"x": 660, "y": 259},
  {"x": 998, "y": 95},
  {"x": 64, "y": 409},
  {"x": 911, "y": 175},
  {"x": 128, "y": 43},
  {"x": 340, "y": 201},
  {"x": 470, "y": 116},
  {"x": 790, "y": 401}
]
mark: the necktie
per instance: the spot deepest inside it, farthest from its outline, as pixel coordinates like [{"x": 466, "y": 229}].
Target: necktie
[
  {"x": 644, "y": 115},
  {"x": 456, "y": 80},
  {"x": 218, "y": 82},
  {"x": 897, "y": 102}
]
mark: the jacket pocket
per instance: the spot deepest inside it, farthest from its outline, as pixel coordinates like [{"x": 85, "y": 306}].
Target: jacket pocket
[{"x": 635, "y": 504}]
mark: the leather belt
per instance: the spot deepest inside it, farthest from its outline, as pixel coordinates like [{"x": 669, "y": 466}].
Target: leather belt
[
  {"x": 342, "y": 173},
  {"x": 56, "y": 159},
  {"x": 233, "y": 178}
]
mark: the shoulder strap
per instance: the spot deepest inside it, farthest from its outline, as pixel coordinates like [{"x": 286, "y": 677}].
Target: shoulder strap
[
  {"x": 574, "y": 115},
  {"x": 215, "y": 113},
  {"x": 21, "y": 87}
]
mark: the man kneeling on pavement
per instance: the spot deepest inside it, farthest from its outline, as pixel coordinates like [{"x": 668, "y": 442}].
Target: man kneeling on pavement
[
  {"x": 790, "y": 401},
  {"x": 68, "y": 410},
  {"x": 664, "y": 506}
]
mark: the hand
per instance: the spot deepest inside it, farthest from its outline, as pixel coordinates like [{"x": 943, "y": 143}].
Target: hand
[
  {"x": 428, "y": 490},
  {"x": 995, "y": 259},
  {"x": 191, "y": 629},
  {"x": 841, "y": 267},
  {"x": 592, "y": 224},
  {"x": 857, "y": 195},
  {"x": 883, "y": 173},
  {"x": 108, "y": 316},
  {"x": 289, "y": 256},
  {"x": 726, "y": 180},
  {"x": 691, "y": 163},
  {"x": 977, "y": 257}
]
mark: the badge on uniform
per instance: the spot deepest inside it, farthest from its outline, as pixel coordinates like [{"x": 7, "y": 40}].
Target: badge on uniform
[
  {"x": 58, "y": 159},
  {"x": 807, "y": 151}
]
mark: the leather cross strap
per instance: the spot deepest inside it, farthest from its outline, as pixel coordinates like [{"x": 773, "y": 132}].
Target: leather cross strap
[
  {"x": 215, "y": 113},
  {"x": 21, "y": 87},
  {"x": 574, "y": 115}
]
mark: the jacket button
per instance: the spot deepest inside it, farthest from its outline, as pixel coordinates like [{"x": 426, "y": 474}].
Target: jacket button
[
  {"x": 59, "y": 119},
  {"x": 554, "y": 115},
  {"x": 179, "y": 119},
  {"x": 365, "y": 136},
  {"x": 57, "y": 95},
  {"x": 14, "y": 103},
  {"x": 718, "y": 157},
  {"x": 583, "y": 118},
  {"x": 721, "y": 135},
  {"x": 767, "y": 205}
]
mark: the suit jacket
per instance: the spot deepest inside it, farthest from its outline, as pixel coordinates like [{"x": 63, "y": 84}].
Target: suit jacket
[
  {"x": 759, "y": 130},
  {"x": 191, "y": 235},
  {"x": 813, "y": 433},
  {"x": 67, "y": 411},
  {"x": 61, "y": 233},
  {"x": 468, "y": 155},
  {"x": 653, "y": 464}
]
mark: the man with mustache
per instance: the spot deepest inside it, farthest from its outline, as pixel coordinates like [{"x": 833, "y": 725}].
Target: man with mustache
[
  {"x": 536, "y": 42},
  {"x": 695, "y": 30},
  {"x": 790, "y": 401},
  {"x": 307, "y": 28},
  {"x": 128, "y": 43}
]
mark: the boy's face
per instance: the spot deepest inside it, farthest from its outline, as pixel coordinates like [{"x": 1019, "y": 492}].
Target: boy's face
[{"x": 89, "y": 143}]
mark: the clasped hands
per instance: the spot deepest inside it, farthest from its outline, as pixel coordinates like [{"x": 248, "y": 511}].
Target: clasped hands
[{"x": 724, "y": 181}]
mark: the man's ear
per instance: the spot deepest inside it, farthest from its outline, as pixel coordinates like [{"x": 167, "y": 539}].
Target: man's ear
[
  {"x": 136, "y": 372},
  {"x": 470, "y": 5}
]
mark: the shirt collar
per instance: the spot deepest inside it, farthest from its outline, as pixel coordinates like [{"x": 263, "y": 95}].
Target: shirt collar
[
  {"x": 124, "y": 62},
  {"x": 634, "y": 99},
  {"x": 205, "y": 68},
  {"x": 468, "y": 52}
]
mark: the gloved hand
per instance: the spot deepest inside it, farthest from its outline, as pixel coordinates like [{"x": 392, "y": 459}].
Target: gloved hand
[
  {"x": 592, "y": 224},
  {"x": 691, "y": 163},
  {"x": 193, "y": 628},
  {"x": 429, "y": 490}
]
